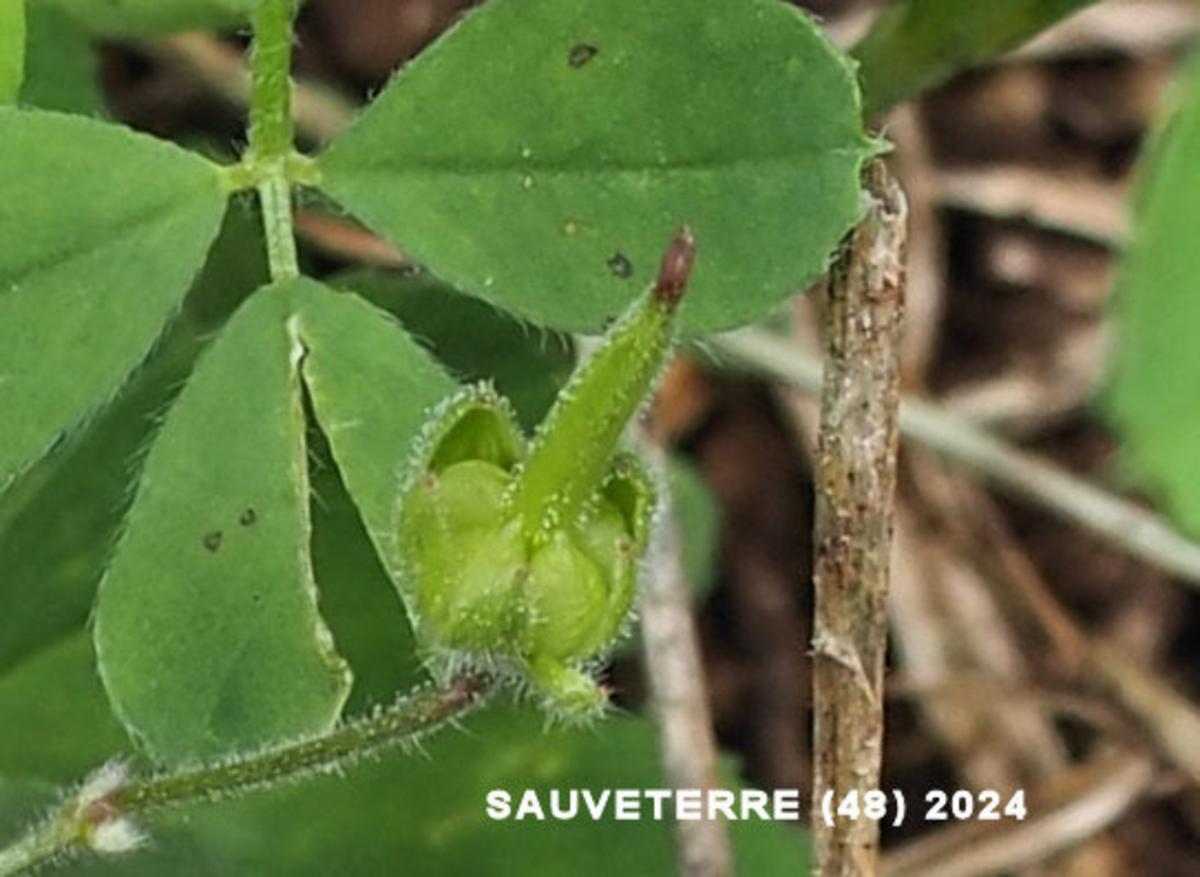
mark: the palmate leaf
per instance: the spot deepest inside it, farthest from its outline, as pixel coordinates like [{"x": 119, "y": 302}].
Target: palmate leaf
[
  {"x": 473, "y": 340},
  {"x": 207, "y": 629},
  {"x": 543, "y": 151},
  {"x": 58, "y": 522},
  {"x": 358, "y": 598},
  {"x": 12, "y": 49},
  {"x": 1157, "y": 376},
  {"x": 371, "y": 387},
  {"x": 112, "y": 226}
]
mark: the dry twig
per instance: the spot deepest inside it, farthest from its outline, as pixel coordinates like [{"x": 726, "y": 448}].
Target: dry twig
[
  {"x": 1084, "y": 803},
  {"x": 856, "y": 481},
  {"x": 676, "y": 676},
  {"x": 1134, "y": 529},
  {"x": 946, "y": 623},
  {"x": 1170, "y": 721},
  {"x": 925, "y": 289}
]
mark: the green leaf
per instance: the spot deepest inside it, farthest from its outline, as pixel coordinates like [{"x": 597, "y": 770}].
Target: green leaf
[
  {"x": 358, "y": 599},
  {"x": 917, "y": 44},
  {"x": 206, "y": 626},
  {"x": 103, "y": 231},
  {"x": 372, "y": 387},
  {"x": 60, "y": 64},
  {"x": 57, "y": 722},
  {"x": 12, "y": 48},
  {"x": 571, "y": 138},
  {"x": 476, "y": 342},
  {"x": 1157, "y": 375},
  {"x": 58, "y": 522},
  {"x": 142, "y": 18}
]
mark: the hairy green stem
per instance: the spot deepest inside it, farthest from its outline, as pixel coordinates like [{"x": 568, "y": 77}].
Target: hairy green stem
[
  {"x": 272, "y": 131},
  {"x": 275, "y": 196},
  {"x": 83, "y": 818},
  {"x": 271, "y": 128},
  {"x": 40, "y": 845}
]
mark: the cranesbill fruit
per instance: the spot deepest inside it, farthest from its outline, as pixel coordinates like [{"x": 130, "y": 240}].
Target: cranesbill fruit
[{"x": 525, "y": 558}]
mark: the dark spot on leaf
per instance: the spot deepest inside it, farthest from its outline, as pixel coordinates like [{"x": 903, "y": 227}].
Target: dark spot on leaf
[
  {"x": 581, "y": 53},
  {"x": 248, "y": 518},
  {"x": 212, "y": 541},
  {"x": 256, "y": 598},
  {"x": 620, "y": 265}
]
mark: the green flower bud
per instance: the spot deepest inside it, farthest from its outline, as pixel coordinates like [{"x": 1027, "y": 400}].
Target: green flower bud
[{"x": 525, "y": 557}]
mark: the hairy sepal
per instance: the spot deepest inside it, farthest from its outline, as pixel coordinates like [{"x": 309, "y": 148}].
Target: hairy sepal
[{"x": 527, "y": 559}]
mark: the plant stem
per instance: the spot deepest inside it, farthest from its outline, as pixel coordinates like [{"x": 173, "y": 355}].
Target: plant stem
[
  {"x": 350, "y": 742},
  {"x": 38, "y": 846},
  {"x": 271, "y": 127},
  {"x": 272, "y": 131},
  {"x": 275, "y": 196},
  {"x": 855, "y": 513},
  {"x": 82, "y": 816},
  {"x": 318, "y": 111},
  {"x": 675, "y": 672}
]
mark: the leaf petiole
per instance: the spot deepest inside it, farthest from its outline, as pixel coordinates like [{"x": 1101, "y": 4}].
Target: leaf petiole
[
  {"x": 272, "y": 131},
  {"x": 100, "y": 812}
]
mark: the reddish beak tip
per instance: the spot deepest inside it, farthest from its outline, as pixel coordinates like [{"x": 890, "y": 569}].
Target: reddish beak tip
[{"x": 676, "y": 268}]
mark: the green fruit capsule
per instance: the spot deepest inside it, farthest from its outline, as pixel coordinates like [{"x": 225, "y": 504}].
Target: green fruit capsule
[{"x": 524, "y": 556}]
